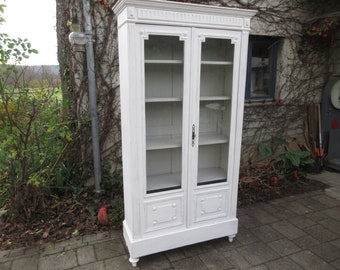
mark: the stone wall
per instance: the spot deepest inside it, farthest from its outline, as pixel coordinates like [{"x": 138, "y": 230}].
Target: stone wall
[
  {"x": 301, "y": 73},
  {"x": 263, "y": 122}
]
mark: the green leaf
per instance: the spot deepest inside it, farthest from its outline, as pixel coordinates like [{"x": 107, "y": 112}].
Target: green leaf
[
  {"x": 293, "y": 158},
  {"x": 265, "y": 151},
  {"x": 280, "y": 141}
]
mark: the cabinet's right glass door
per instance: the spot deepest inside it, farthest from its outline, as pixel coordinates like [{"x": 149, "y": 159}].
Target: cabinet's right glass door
[{"x": 216, "y": 77}]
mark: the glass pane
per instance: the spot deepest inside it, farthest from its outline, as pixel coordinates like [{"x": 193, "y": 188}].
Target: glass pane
[
  {"x": 215, "y": 97},
  {"x": 260, "y": 70},
  {"x": 163, "y": 112}
]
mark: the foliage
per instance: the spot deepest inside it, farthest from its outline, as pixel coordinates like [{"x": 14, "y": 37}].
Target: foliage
[
  {"x": 280, "y": 171},
  {"x": 33, "y": 140},
  {"x": 112, "y": 185},
  {"x": 320, "y": 33},
  {"x": 285, "y": 163}
]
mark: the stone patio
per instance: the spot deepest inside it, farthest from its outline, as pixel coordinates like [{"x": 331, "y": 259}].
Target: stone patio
[{"x": 298, "y": 232}]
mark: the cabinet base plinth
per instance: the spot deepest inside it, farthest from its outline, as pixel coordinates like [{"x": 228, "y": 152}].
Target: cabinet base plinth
[{"x": 154, "y": 243}]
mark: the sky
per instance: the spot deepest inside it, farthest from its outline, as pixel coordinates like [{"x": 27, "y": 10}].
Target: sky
[{"x": 36, "y": 21}]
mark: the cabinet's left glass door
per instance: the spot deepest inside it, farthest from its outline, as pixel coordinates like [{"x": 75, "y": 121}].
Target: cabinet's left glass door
[{"x": 163, "y": 67}]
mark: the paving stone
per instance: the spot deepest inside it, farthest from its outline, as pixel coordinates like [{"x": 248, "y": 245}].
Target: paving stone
[
  {"x": 215, "y": 260},
  {"x": 326, "y": 251},
  {"x": 86, "y": 255},
  {"x": 6, "y": 265},
  {"x": 336, "y": 243},
  {"x": 320, "y": 233},
  {"x": 301, "y": 222},
  {"x": 306, "y": 241},
  {"x": 333, "y": 212},
  {"x": 73, "y": 243},
  {"x": 17, "y": 252},
  {"x": 283, "y": 264},
  {"x": 27, "y": 263},
  {"x": 89, "y": 238},
  {"x": 244, "y": 237},
  {"x": 336, "y": 264},
  {"x": 316, "y": 216},
  {"x": 236, "y": 259},
  {"x": 156, "y": 261},
  {"x": 288, "y": 229},
  {"x": 326, "y": 200},
  {"x": 196, "y": 249},
  {"x": 91, "y": 266},
  {"x": 312, "y": 204},
  {"x": 331, "y": 224},
  {"x": 262, "y": 216},
  {"x": 258, "y": 253},
  {"x": 109, "y": 249},
  {"x": 248, "y": 221},
  {"x": 266, "y": 233},
  {"x": 279, "y": 211},
  {"x": 107, "y": 235},
  {"x": 59, "y": 261},
  {"x": 308, "y": 260},
  {"x": 284, "y": 247},
  {"x": 333, "y": 192},
  {"x": 175, "y": 254},
  {"x": 259, "y": 267},
  {"x": 189, "y": 263},
  {"x": 4, "y": 255},
  {"x": 49, "y": 249},
  {"x": 32, "y": 251},
  {"x": 120, "y": 263},
  {"x": 297, "y": 208}
]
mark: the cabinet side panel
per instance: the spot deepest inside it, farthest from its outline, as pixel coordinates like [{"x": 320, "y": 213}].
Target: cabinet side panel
[
  {"x": 239, "y": 98},
  {"x": 130, "y": 153}
]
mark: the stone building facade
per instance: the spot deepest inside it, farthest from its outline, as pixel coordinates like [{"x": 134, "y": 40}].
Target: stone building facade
[{"x": 302, "y": 69}]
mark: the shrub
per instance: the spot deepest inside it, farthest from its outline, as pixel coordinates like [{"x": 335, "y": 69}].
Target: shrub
[{"x": 284, "y": 162}]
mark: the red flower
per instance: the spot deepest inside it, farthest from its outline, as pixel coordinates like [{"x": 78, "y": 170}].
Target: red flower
[
  {"x": 314, "y": 28},
  {"x": 281, "y": 101},
  {"x": 325, "y": 35},
  {"x": 296, "y": 175},
  {"x": 275, "y": 180}
]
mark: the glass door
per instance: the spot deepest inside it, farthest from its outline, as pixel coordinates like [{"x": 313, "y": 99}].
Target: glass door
[
  {"x": 215, "y": 95},
  {"x": 164, "y": 80}
]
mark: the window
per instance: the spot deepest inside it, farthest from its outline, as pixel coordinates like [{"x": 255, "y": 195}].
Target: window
[{"x": 261, "y": 70}]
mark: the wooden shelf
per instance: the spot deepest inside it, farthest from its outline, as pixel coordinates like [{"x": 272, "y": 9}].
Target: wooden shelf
[
  {"x": 162, "y": 99},
  {"x": 169, "y": 181},
  {"x": 163, "y": 62},
  {"x": 207, "y": 139},
  {"x": 217, "y": 63},
  {"x": 214, "y": 98},
  {"x": 163, "y": 182},
  {"x": 211, "y": 175},
  {"x": 159, "y": 143}
]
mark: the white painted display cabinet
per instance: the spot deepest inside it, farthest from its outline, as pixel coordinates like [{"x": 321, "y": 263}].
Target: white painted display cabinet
[{"x": 182, "y": 79}]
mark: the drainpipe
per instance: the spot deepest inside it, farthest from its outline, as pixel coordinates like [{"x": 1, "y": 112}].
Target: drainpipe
[
  {"x": 79, "y": 38},
  {"x": 92, "y": 93}
]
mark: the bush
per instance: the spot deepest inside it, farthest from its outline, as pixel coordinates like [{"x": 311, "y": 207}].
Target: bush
[
  {"x": 33, "y": 142},
  {"x": 33, "y": 138},
  {"x": 285, "y": 163}
]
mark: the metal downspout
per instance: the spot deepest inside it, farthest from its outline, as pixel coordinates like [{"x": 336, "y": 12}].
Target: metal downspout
[{"x": 92, "y": 94}]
